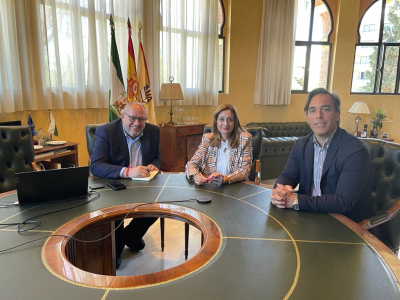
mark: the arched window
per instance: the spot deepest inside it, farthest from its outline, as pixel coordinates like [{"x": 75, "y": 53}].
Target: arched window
[
  {"x": 376, "y": 61},
  {"x": 313, "y": 47},
  {"x": 221, "y": 36}
]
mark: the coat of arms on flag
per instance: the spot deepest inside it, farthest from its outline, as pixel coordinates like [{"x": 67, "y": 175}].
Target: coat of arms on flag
[{"x": 117, "y": 93}]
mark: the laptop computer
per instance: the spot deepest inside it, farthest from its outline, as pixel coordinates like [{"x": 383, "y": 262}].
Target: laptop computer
[{"x": 50, "y": 185}]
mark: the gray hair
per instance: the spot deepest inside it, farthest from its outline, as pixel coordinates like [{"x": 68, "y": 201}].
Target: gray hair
[{"x": 132, "y": 103}]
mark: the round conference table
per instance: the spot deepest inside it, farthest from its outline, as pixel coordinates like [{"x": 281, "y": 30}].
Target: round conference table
[{"x": 265, "y": 252}]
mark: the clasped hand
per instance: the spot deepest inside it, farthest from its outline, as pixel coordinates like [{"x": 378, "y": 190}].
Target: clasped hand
[
  {"x": 215, "y": 177},
  {"x": 283, "y": 196}
]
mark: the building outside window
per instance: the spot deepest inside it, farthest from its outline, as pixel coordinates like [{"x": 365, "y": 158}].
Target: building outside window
[
  {"x": 381, "y": 47},
  {"x": 313, "y": 47}
]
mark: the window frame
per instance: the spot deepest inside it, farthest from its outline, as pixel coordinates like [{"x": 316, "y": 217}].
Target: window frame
[
  {"x": 308, "y": 44},
  {"x": 380, "y": 63},
  {"x": 222, "y": 37}
]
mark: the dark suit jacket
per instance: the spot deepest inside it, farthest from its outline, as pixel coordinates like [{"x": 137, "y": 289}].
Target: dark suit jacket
[
  {"x": 346, "y": 176},
  {"x": 111, "y": 153}
]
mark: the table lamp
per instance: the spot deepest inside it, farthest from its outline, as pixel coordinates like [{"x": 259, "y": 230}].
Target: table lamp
[
  {"x": 171, "y": 91},
  {"x": 359, "y": 107}
]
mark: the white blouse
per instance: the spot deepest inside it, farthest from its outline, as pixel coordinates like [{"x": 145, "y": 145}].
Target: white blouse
[{"x": 223, "y": 158}]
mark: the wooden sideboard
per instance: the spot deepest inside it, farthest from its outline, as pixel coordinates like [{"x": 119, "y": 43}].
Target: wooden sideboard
[
  {"x": 50, "y": 156},
  {"x": 178, "y": 145}
]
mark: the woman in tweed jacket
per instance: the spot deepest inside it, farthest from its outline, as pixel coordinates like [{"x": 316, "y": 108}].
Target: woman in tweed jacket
[{"x": 225, "y": 155}]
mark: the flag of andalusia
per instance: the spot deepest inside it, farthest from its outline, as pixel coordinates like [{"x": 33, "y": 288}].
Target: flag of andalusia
[{"x": 117, "y": 94}]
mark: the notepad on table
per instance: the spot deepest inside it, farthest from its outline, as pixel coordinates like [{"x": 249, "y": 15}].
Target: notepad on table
[{"x": 152, "y": 175}]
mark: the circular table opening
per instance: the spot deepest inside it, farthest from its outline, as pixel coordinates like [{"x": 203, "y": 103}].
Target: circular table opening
[
  {"x": 153, "y": 258},
  {"x": 93, "y": 263}
]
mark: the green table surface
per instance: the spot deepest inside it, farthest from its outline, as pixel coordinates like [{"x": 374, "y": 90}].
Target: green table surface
[{"x": 266, "y": 253}]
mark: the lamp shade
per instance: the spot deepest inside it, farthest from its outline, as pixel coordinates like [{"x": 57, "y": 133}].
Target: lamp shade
[
  {"x": 359, "y": 107},
  {"x": 171, "y": 91}
]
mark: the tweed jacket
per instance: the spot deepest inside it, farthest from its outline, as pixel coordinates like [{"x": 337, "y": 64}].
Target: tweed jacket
[{"x": 205, "y": 159}]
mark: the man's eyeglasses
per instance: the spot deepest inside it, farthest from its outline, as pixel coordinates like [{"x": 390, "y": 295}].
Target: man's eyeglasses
[{"x": 133, "y": 118}]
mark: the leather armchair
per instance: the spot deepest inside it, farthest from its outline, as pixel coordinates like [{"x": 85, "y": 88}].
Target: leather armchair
[
  {"x": 256, "y": 142},
  {"x": 283, "y": 129},
  {"x": 385, "y": 158},
  {"x": 91, "y": 138},
  {"x": 274, "y": 156},
  {"x": 278, "y": 140},
  {"x": 16, "y": 154}
]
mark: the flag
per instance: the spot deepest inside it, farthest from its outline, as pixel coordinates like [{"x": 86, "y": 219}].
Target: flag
[
  {"x": 31, "y": 125},
  {"x": 144, "y": 84},
  {"x": 131, "y": 78},
  {"x": 53, "y": 127},
  {"x": 117, "y": 94}
]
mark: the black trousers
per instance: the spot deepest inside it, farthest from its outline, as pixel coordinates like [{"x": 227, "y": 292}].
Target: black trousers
[{"x": 132, "y": 233}]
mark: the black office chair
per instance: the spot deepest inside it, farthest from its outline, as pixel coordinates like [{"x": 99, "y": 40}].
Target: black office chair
[
  {"x": 256, "y": 142},
  {"x": 385, "y": 158},
  {"x": 16, "y": 155},
  {"x": 91, "y": 138}
]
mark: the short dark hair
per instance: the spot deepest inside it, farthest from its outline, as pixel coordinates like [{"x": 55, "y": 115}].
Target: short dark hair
[{"x": 317, "y": 91}]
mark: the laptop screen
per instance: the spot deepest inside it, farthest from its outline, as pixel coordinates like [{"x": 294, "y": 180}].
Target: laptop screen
[
  {"x": 11, "y": 123},
  {"x": 50, "y": 185}
]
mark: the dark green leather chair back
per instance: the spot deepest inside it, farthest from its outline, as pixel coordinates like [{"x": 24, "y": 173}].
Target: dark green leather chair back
[
  {"x": 283, "y": 129},
  {"x": 91, "y": 138},
  {"x": 275, "y": 154},
  {"x": 385, "y": 159},
  {"x": 256, "y": 143},
  {"x": 16, "y": 154}
]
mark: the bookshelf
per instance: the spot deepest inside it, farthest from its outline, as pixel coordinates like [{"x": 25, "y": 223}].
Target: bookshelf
[{"x": 52, "y": 156}]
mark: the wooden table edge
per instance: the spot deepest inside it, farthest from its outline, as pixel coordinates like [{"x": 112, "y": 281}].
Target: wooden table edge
[{"x": 384, "y": 253}]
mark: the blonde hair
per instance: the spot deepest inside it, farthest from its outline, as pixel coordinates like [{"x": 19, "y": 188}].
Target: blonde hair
[{"x": 237, "y": 128}]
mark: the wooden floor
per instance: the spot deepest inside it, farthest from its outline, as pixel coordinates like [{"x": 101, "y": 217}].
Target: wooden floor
[{"x": 151, "y": 259}]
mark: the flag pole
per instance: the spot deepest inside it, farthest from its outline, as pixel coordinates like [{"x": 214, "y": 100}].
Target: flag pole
[
  {"x": 140, "y": 31},
  {"x": 51, "y": 136}
]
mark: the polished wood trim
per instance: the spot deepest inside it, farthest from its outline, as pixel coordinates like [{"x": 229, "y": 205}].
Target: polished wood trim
[
  {"x": 392, "y": 262},
  {"x": 5, "y": 194},
  {"x": 392, "y": 212},
  {"x": 54, "y": 250},
  {"x": 35, "y": 166},
  {"x": 257, "y": 171}
]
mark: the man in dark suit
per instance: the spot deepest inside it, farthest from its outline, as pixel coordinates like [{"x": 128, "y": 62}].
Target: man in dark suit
[
  {"x": 331, "y": 166},
  {"x": 125, "y": 148}
]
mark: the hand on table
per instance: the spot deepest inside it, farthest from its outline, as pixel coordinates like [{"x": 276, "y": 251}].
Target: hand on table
[
  {"x": 283, "y": 196},
  {"x": 139, "y": 172},
  {"x": 199, "y": 179},
  {"x": 151, "y": 167},
  {"x": 215, "y": 177}
]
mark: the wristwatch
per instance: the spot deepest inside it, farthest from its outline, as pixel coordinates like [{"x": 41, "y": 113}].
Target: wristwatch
[{"x": 295, "y": 204}]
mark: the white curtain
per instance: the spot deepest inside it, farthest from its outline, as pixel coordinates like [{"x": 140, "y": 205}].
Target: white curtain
[
  {"x": 54, "y": 53},
  {"x": 275, "y": 53},
  {"x": 185, "y": 41}
]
